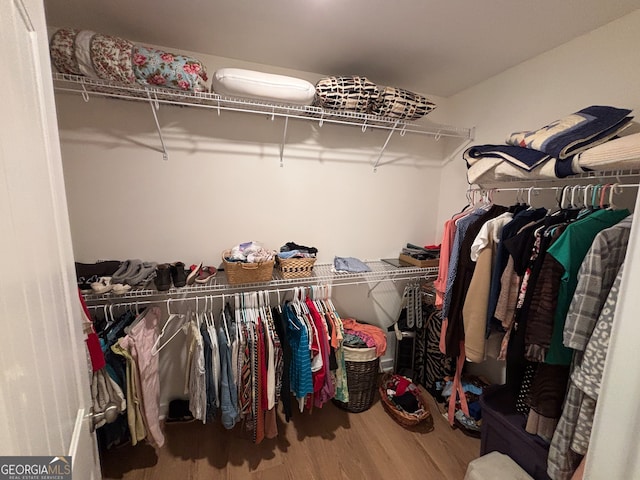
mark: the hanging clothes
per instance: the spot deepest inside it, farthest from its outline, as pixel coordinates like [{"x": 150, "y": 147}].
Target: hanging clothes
[
  {"x": 460, "y": 286},
  {"x": 228, "y": 387},
  {"x": 569, "y": 251},
  {"x": 195, "y": 378},
  {"x": 571, "y": 438},
  {"x": 139, "y": 343}
]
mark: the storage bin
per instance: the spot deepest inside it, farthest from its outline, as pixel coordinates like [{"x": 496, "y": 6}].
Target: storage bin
[
  {"x": 295, "y": 267},
  {"x": 241, "y": 272},
  {"x": 362, "y": 367},
  {"x": 503, "y": 431},
  {"x": 495, "y": 466}
]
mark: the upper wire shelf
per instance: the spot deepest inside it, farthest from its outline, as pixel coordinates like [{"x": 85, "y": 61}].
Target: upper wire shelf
[
  {"x": 321, "y": 274},
  {"x": 86, "y": 86}
]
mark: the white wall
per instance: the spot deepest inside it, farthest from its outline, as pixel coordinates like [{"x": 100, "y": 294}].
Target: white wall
[
  {"x": 223, "y": 184},
  {"x": 600, "y": 68}
]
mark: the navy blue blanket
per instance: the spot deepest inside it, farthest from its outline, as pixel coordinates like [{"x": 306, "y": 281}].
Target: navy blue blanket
[
  {"x": 574, "y": 133},
  {"x": 525, "y": 158}
]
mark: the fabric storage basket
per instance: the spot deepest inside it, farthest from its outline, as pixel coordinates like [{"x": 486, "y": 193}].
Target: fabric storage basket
[
  {"x": 362, "y": 365},
  {"x": 295, "y": 267},
  {"x": 241, "y": 272}
]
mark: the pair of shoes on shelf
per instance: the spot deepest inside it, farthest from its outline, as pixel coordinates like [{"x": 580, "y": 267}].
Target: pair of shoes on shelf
[
  {"x": 201, "y": 274},
  {"x": 88, "y": 273},
  {"x": 105, "y": 285},
  {"x": 168, "y": 274},
  {"x": 134, "y": 273},
  {"x": 85, "y": 283}
]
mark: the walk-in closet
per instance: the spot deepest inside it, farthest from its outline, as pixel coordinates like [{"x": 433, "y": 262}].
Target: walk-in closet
[{"x": 311, "y": 241}]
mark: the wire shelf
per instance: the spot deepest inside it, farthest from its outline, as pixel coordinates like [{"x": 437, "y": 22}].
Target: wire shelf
[
  {"x": 86, "y": 86},
  {"x": 322, "y": 274}
]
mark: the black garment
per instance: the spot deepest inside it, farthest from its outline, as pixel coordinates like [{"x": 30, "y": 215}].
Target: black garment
[
  {"x": 534, "y": 296},
  {"x": 466, "y": 267},
  {"x": 519, "y": 220},
  {"x": 285, "y": 388},
  {"x": 333, "y": 362},
  {"x": 407, "y": 402},
  {"x": 289, "y": 246}
]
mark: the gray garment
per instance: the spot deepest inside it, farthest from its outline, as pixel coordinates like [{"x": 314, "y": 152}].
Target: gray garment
[
  {"x": 228, "y": 391},
  {"x": 571, "y": 438},
  {"x": 595, "y": 278}
]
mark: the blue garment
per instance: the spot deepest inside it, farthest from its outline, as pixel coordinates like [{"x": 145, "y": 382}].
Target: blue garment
[
  {"x": 350, "y": 264},
  {"x": 300, "y": 371},
  {"x": 228, "y": 392},
  {"x": 461, "y": 228}
]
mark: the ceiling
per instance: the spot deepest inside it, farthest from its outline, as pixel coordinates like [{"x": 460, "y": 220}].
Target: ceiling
[{"x": 430, "y": 47}]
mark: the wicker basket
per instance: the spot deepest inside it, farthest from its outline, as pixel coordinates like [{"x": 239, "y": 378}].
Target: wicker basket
[
  {"x": 403, "y": 418},
  {"x": 295, "y": 267},
  {"x": 362, "y": 367},
  {"x": 240, "y": 272}
]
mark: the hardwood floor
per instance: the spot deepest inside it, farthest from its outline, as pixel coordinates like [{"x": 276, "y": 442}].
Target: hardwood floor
[{"x": 329, "y": 443}]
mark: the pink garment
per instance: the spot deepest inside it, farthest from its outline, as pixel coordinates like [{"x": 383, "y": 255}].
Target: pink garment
[
  {"x": 327, "y": 389},
  {"x": 139, "y": 343},
  {"x": 448, "y": 236},
  {"x": 378, "y": 335},
  {"x": 440, "y": 283}
]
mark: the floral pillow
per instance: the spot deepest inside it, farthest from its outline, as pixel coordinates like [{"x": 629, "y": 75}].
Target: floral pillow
[{"x": 163, "y": 69}]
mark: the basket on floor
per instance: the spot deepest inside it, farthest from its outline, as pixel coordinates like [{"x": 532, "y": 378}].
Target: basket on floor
[
  {"x": 401, "y": 417},
  {"x": 243, "y": 272},
  {"x": 362, "y": 365},
  {"x": 295, "y": 267}
]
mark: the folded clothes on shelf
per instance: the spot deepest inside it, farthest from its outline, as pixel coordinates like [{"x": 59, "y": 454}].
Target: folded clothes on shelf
[{"x": 350, "y": 265}]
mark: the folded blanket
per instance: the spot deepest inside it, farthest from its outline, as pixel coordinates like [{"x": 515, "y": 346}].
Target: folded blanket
[
  {"x": 576, "y": 132},
  {"x": 489, "y": 170},
  {"x": 621, "y": 153},
  {"x": 525, "y": 158}
]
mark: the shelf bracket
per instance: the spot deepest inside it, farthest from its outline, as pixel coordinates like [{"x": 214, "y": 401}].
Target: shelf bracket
[
  {"x": 284, "y": 139},
  {"x": 460, "y": 148},
  {"x": 384, "y": 147},
  {"x": 153, "y": 103}
]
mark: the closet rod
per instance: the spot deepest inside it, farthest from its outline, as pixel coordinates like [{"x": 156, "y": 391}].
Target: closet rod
[{"x": 556, "y": 188}]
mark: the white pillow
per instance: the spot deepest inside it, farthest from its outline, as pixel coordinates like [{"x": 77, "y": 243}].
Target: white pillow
[{"x": 238, "y": 82}]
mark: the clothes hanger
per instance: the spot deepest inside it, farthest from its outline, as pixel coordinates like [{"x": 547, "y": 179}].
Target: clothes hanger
[
  {"x": 603, "y": 194},
  {"x": 531, "y": 190},
  {"x": 615, "y": 189},
  {"x": 223, "y": 317},
  {"x": 155, "y": 349}
]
